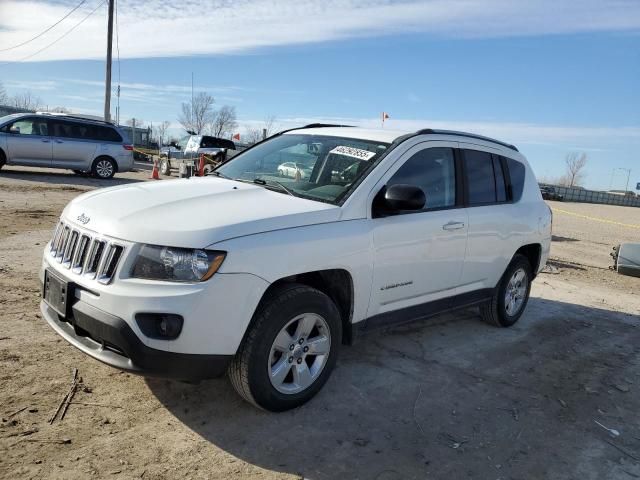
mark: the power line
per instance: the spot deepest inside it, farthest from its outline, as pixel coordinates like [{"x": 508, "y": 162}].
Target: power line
[
  {"x": 45, "y": 31},
  {"x": 57, "y": 39}
]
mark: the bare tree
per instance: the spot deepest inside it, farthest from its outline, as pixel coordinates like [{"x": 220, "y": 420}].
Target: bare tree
[
  {"x": 60, "y": 110},
  {"x": 26, "y": 101},
  {"x": 575, "y": 168},
  {"x": 4, "y": 98},
  {"x": 162, "y": 131},
  {"x": 197, "y": 114},
  {"x": 223, "y": 122},
  {"x": 256, "y": 134}
]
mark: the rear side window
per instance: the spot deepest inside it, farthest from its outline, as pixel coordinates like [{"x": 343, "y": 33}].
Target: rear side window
[
  {"x": 433, "y": 170},
  {"x": 516, "y": 174},
  {"x": 72, "y": 130},
  {"x": 481, "y": 182}
]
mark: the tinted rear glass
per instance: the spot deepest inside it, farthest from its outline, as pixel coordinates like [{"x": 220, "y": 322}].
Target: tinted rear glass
[
  {"x": 84, "y": 131},
  {"x": 213, "y": 142},
  {"x": 480, "y": 177}
]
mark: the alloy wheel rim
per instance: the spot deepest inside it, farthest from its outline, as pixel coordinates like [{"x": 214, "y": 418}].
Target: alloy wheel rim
[
  {"x": 299, "y": 353},
  {"x": 516, "y": 292},
  {"x": 104, "y": 168}
]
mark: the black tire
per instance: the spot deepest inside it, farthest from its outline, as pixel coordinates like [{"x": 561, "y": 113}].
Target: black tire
[
  {"x": 495, "y": 311},
  {"x": 3, "y": 159},
  {"x": 100, "y": 168},
  {"x": 208, "y": 169},
  {"x": 165, "y": 167},
  {"x": 78, "y": 172},
  {"x": 247, "y": 371}
]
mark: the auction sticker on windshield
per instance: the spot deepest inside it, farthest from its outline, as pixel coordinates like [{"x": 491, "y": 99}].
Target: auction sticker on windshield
[{"x": 353, "y": 152}]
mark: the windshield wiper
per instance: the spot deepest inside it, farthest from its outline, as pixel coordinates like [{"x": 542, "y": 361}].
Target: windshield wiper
[
  {"x": 260, "y": 181},
  {"x": 219, "y": 174}
]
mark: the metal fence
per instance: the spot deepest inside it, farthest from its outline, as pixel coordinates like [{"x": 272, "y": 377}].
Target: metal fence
[{"x": 572, "y": 194}]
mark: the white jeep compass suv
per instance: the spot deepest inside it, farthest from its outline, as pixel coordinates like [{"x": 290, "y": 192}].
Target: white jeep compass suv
[{"x": 265, "y": 277}]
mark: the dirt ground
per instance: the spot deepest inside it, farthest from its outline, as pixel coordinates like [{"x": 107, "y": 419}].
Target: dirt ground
[{"x": 449, "y": 397}]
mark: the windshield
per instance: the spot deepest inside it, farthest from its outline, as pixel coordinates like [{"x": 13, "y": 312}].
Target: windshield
[
  {"x": 182, "y": 144},
  {"x": 311, "y": 166}
]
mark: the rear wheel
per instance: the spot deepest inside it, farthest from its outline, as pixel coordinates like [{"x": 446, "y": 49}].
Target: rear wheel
[
  {"x": 104, "y": 168},
  {"x": 512, "y": 294},
  {"x": 3, "y": 159},
  {"x": 289, "y": 350}
]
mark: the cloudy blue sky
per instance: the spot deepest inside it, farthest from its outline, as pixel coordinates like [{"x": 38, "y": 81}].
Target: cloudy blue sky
[{"x": 551, "y": 76}]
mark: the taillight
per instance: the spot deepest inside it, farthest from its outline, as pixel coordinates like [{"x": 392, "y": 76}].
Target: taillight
[{"x": 127, "y": 147}]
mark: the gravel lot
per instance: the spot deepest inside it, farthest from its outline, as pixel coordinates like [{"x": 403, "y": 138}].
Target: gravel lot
[{"x": 449, "y": 397}]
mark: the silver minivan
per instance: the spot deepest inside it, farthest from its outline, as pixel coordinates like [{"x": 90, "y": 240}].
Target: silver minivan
[{"x": 64, "y": 141}]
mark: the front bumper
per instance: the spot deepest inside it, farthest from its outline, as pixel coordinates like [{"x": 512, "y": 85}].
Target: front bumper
[{"x": 111, "y": 340}]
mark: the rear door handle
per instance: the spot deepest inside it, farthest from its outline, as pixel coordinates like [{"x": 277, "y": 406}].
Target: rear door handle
[{"x": 453, "y": 226}]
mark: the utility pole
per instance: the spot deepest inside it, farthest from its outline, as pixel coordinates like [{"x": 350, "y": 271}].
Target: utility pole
[
  {"x": 626, "y": 189},
  {"x": 107, "y": 91},
  {"x": 192, "y": 129}
]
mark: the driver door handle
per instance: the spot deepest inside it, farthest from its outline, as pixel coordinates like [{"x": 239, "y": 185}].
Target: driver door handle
[
  {"x": 59, "y": 141},
  {"x": 453, "y": 226}
]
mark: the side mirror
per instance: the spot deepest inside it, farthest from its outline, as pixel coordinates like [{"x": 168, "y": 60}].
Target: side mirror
[
  {"x": 14, "y": 130},
  {"x": 400, "y": 197}
]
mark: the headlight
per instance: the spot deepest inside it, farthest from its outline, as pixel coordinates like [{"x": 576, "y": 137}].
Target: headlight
[{"x": 176, "y": 264}]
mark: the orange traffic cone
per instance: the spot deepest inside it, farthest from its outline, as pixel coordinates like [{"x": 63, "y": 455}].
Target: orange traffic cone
[
  {"x": 154, "y": 172},
  {"x": 201, "y": 167}
]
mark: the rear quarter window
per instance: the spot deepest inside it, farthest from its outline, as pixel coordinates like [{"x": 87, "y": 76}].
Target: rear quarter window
[
  {"x": 107, "y": 134},
  {"x": 516, "y": 175}
]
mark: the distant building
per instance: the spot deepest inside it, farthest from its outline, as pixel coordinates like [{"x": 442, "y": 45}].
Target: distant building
[{"x": 140, "y": 136}]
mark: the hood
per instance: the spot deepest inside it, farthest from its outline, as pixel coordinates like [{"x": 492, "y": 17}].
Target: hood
[{"x": 192, "y": 213}]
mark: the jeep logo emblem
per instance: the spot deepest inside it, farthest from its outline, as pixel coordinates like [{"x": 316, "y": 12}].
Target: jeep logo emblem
[{"x": 83, "y": 219}]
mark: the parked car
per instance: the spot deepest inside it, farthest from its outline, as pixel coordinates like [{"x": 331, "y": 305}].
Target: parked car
[
  {"x": 293, "y": 170},
  {"x": 550, "y": 193},
  {"x": 57, "y": 140},
  {"x": 281, "y": 273},
  {"x": 191, "y": 147}
]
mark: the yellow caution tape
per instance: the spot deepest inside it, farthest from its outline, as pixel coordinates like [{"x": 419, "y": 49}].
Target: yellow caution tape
[{"x": 596, "y": 219}]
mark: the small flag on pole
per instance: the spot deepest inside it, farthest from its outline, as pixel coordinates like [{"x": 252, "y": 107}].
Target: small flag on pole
[
  {"x": 236, "y": 137},
  {"x": 385, "y": 116}
]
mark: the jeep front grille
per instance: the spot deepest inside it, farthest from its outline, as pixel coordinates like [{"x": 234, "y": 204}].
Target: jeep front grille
[{"x": 84, "y": 254}]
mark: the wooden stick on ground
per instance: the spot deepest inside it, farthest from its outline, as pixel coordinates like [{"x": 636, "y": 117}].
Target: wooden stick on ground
[{"x": 74, "y": 385}]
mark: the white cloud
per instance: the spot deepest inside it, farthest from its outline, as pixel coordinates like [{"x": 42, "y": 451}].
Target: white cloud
[
  {"x": 31, "y": 85},
  {"x": 157, "y": 28}
]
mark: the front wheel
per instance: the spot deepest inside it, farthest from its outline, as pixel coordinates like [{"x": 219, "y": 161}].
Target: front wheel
[
  {"x": 289, "y": 350},
  {"x": 103, "y": 168},
  {"x": 165, "y": 167},
  {"x": 512, "y": 294}
]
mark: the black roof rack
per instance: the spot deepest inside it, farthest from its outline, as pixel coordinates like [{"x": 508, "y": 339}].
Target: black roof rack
[
  {"x": 433, "y": 131},
  {"x": 322, "y": 125}
]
